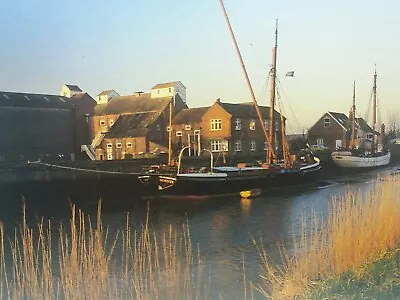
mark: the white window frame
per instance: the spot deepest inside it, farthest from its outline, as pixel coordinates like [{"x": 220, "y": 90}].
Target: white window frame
[
  {"x": 252, "y": 124},
  {"x": 168, "y": 129},
  {"x": 327, "y": 122},
  {"x": 129, "y": 145},
  {"x": 320, "y": 141},
  {"x": 196, "y": 131},
  {"x": 109, "y": 145},
  {"x": 188, "y": 127},
  {"x": 238, "y": 124},
  {"x": 111, "y": 122},
  {"x": 102, "y": 123},
  {"x": 265, "y": 145},
  {"x": 216, "y": 124},
  {"x": 266, "y": 124},
  {"x": 253, "y": 145},
  {"x": 109, "y": 156},
  {"x": 219, "y": 145},
  {"x": 119, "y": 145},
  {"x": 179, "y": 133},
  {"x": 238, "y": 146}
]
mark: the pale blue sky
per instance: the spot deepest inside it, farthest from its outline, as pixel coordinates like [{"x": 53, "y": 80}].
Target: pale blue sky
[{"x": 132, "y": 45}]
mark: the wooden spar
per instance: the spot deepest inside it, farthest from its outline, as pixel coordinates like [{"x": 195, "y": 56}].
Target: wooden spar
[
  {"x": 270, "y": 147},
  {"x": 374, "y": 141},
  {"x": 272, "y": 96},
  {"x": 353, "y": 116},
  {"x": 170, "y": 135}
]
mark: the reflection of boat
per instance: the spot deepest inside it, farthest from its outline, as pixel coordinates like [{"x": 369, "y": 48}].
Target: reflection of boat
[
  {"x": 274, "y": 173},
  {"x": 364, "y": 153}
]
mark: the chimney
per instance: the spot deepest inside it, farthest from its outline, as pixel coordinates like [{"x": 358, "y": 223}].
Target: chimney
[{"x": 218, "y": 100}]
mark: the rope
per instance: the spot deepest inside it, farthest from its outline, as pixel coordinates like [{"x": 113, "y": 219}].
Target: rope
[{"x": 82, "y": 170}]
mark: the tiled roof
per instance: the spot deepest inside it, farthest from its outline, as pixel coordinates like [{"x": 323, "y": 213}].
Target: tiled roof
[
  {"x": 165, "y": 85},
  {"x": 341, "y": 118},
  {"x": 133, "y": 104},
  {"x": 189, "y": 115},
  {"x": 245, "y": 110},
  {"x": 363, "y": 125},
  {"x": 134, "y": 125},
  {"x": 73, "y": 87},
  {"x": 11, "y": 99}
]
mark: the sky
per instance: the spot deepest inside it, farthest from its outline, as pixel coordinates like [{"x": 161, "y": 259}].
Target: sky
[{"x": 132, "y": 45}]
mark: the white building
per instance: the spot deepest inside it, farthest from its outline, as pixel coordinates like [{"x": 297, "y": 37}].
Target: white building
[
  {"x": 106, "y": 96},
  {"x": 69, "y": 90},
  {"x": 169, "y": 89}
]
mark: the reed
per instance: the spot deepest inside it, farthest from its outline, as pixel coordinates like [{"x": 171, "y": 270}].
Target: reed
[
  {"x": 82, "y": 261},
  {"x": 358, "y": 230}
]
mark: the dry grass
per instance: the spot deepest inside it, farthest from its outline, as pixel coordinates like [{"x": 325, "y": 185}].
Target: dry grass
[
  {"x": 359, "y": 229},
  {"x": 88, "y": 264}
]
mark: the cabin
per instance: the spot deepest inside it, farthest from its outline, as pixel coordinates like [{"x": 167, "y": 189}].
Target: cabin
[
  {"x": 133, "y": 126},
  {"x": 333, "y": 130},
  {"x": 105, "y": 96},
  {"x": 36, "y": 127}
]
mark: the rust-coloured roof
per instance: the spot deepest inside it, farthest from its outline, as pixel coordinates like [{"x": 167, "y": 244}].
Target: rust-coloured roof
[
  {"x": 133, "y": 104},
  {"x": 134, "y": 125},
  {"x": 189, "y": 115}
]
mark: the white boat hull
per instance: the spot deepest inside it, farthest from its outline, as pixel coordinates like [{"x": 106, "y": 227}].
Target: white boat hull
[{"x": 345, "y": 159}]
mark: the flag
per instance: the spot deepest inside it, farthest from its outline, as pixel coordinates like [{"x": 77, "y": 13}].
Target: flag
[{"x": 290, "y": 74}]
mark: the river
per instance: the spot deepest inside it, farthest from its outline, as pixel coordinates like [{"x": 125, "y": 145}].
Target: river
[{"x": 223, "y": 229}]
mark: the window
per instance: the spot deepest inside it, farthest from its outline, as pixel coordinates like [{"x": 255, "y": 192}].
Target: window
[
  {"x": 188, "y": 127},
  {"x": 109, "y": 156},
  {"x": 370, "y": 136},
  {"x": 27, "y": 98},
  {"x": 238, "y": 146},
  {"x": 320, "y": 142},
  {"x": 197, "y": 131},
  {"x": 179, "y": 133},
  {"x": 109, "y": 145},
  {"x": 47, "y": 99},
  {"x": 128, "y": 145},
  {"x": 170, "y": 90},
  {"x": 101, "y": 157},
  {"x": 253, "y": 145},
  {"x": 119, "y": 145},
  {"x": 158, "y": 127},
  {"x": 276, "y": 125},
  {"x": 265, "y": 145},
  {"x": 102, "y": 122},
  {"x": 266, "y": 124},
  {"x": 168, "y": 129},
  {"x": 216, "y": 124},
  {"x": 238, "y": 124},
  {"x": 327, "y": 122},
  {"x": 219, "y": 145},
  {"x": 87, "y": 118},
  {"x": 111, "y": 122},
  {"x": 252, "y": 124}
]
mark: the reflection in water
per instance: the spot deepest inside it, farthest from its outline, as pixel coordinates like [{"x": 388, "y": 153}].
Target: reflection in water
[{"x": 224, "y": 229}]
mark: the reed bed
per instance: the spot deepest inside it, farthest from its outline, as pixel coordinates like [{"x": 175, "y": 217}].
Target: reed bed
[
  {"x": 88, "y": 264},
  {"x": 358, "y": 230}
]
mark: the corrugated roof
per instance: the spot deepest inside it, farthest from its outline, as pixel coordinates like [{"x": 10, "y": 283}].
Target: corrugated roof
[
  {"x": 189, "y": 115},
  {"x": 134, "y": 125},
  {"x": 165, "y": 85},
  {"x": 12, "y": 99},
  {"x": 133, "y": 104},
  {"x": 73, "y": 87}
]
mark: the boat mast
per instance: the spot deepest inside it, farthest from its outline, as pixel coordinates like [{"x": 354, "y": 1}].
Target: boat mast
[
  {"x": 272, "y": 95},
  {"x": 259, "y": 115},
  {"x": 374, "y": 112},
  {"x": 170, "y": 134},
  {"x": 353, "y": 116}
]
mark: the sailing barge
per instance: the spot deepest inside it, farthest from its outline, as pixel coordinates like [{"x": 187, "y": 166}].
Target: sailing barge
[{"x": 290, "y": 170}]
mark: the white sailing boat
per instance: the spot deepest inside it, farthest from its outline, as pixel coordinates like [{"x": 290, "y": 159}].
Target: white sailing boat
[{"x": 362, "y": 153}]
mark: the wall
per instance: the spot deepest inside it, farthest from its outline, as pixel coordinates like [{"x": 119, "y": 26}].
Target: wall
[{"x": 329, "y": 134}]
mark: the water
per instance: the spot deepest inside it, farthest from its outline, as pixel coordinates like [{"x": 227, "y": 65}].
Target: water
[{"x": 224, "y": 229}]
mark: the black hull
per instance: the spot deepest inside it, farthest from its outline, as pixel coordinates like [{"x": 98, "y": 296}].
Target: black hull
[{"x": 212, "y": 186}]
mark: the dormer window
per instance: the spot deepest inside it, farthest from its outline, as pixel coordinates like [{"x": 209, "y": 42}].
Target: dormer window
[
  {"x": 327, "y": 122},
  {"x": 238, "y": 124},
  {"x": 252, "y": 124},
  {"x": 216, "y": 124}
]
